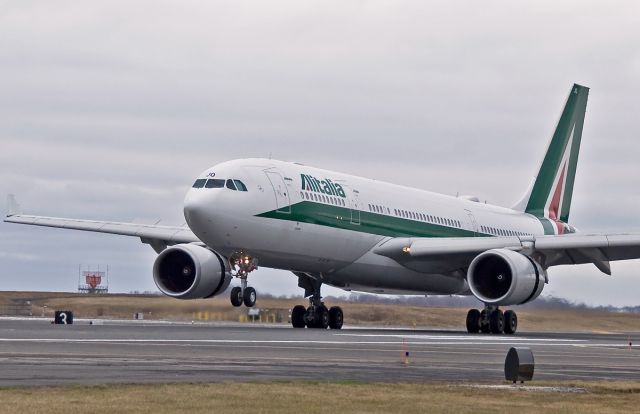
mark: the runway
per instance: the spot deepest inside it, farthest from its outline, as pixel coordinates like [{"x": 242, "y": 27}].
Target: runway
[{"x": 35, "y": 352}]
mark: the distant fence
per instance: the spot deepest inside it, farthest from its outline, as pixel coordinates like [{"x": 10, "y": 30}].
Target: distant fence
[
  {"x": 17, "y": 309},
  {"x": 250, "y": 315}
]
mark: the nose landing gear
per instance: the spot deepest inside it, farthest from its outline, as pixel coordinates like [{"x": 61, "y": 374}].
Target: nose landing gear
[{"x": 241, "y": 265}]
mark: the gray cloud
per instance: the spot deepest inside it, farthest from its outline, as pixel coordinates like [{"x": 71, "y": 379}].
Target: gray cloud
[{"x": 109, "y": 109}]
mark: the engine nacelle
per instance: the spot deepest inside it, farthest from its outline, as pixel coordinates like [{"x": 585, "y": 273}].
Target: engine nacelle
[
  {"x": 189, "y": 271},
  {"x": 505, "y": 277}
]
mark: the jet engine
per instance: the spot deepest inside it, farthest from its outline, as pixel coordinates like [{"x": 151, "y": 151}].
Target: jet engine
[
  {"x": 505, "y": 277},
  {"x": 190, "y": 271}
]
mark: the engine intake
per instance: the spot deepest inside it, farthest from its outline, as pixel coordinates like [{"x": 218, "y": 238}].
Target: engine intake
[
  {"x": 505, "y": 277},
  {"x": 189, "y": 271}
]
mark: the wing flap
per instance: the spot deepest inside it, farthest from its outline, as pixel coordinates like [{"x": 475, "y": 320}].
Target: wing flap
[{"x": 462, "y": 245}]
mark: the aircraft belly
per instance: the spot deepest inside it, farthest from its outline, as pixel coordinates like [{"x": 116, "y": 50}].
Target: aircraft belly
[{"x": 380, "y": 274}]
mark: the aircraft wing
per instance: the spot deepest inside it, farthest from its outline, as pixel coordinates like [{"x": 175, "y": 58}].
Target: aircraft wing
[
  {"x": 599, "y": 249},
  {"x": 159, "y": 237}
]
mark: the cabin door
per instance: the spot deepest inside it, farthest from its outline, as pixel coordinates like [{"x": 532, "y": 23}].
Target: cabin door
[
  {"x": 354, "y": 201},
  {"x": 473, "y": 225},
  {"x": 280, "y": 191}
]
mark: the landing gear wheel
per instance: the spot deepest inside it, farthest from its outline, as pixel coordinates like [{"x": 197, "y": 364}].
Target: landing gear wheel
[
  {"x": 510, "y": 322},
  {"x": 249, "y": 297},
  {"x": 336, "y": 317},
  {"x": 496, "y": 322},
  {"x": 310, "y": 318},
  {"x": 297, "y": 316},
  {"x": 322, "y": 317},
  {"x": 236, "y": 296},
  {"x": 473, "y": 321},
  {"x": 484, "y": 325}
]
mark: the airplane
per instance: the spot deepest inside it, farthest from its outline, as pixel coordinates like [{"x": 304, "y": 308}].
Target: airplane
[{"x": 359, "y": 234}]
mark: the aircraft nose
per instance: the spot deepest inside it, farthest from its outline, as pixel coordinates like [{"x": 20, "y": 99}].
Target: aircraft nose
[{"x": 194, "y": 208}]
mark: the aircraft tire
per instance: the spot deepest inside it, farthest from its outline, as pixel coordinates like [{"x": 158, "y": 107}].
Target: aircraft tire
[
  {"x": 496, "y": 322},
  {"x": 484, "y": 326},
  {"x": 297, "y": 316},
  {"x": 249, "y": 297},
  {"x": 236, "y": 296},
  {"x": 336, "y": 317},
  {"x": 311, "y": 317},
  {"x": 510, "y": 322},
  {"x": 473, "y": 321},
  {"x": 322, "y": 317}
]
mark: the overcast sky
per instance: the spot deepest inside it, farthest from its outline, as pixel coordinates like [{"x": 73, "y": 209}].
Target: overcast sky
[{"x": 109, "y": 109}]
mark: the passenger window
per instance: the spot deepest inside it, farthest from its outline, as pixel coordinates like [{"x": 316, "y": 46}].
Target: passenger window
[
  {"x": 231, "y": 185},
  {"x": 214, "y": 183},
  {"x": 199, "y": 183},
  {"x": 240, "y": 185}
]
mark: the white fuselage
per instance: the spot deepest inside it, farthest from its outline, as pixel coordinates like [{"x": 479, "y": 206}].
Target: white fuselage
[{"x": 324, "y": 223}]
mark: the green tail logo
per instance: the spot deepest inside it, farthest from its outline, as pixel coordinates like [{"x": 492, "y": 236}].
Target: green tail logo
[{"x": 550, "y": 198}]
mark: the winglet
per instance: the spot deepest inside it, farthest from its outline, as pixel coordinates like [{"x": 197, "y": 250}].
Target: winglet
[{"x": 13, "y": 207}]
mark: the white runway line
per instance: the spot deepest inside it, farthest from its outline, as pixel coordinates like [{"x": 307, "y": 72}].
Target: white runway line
[
  {"x": 465, "y": 338},
  {"x": 124, "y": 341}
]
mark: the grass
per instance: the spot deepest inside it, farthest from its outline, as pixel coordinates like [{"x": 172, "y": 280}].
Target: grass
[
  {"x": 218, "y": 308},
  {"x": 316, "y": 397}
]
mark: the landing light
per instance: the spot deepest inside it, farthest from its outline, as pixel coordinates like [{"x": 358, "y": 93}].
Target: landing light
[{"x": 406, "y": 249}]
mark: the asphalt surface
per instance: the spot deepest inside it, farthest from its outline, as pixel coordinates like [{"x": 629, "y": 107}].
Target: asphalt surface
[{"x": 35, "y": 352}]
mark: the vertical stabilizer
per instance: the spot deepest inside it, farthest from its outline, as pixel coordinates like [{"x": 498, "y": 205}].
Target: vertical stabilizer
[{"x": 550, "y": 195}]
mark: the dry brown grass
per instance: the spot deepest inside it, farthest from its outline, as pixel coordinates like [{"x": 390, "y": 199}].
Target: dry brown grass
[
  {"x": 158, "y": 307},
  {"x": 315, "y": 397}
]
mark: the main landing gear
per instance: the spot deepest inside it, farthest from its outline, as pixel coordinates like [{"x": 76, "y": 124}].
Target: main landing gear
[
  {"x": 317, "y": 315},
  {"x": 492, "y": 320},
  {"x": 241, "y": 265}
]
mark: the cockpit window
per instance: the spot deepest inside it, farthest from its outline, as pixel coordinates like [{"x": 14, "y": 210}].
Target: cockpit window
[
  {"x": 214, "y": 183},
  {"x": 232, "y": 184},
  {"x": 199, "y": 183},
  {"x": 240, "y": 185}
]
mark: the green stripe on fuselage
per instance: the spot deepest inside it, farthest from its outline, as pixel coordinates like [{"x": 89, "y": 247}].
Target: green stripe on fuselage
[
  {"x": 373, "y": 223},
  {"x": 547, "y": 225}
]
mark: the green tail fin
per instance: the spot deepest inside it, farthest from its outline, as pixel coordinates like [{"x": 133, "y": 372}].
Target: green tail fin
[{"x": 552, "y": 189}]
